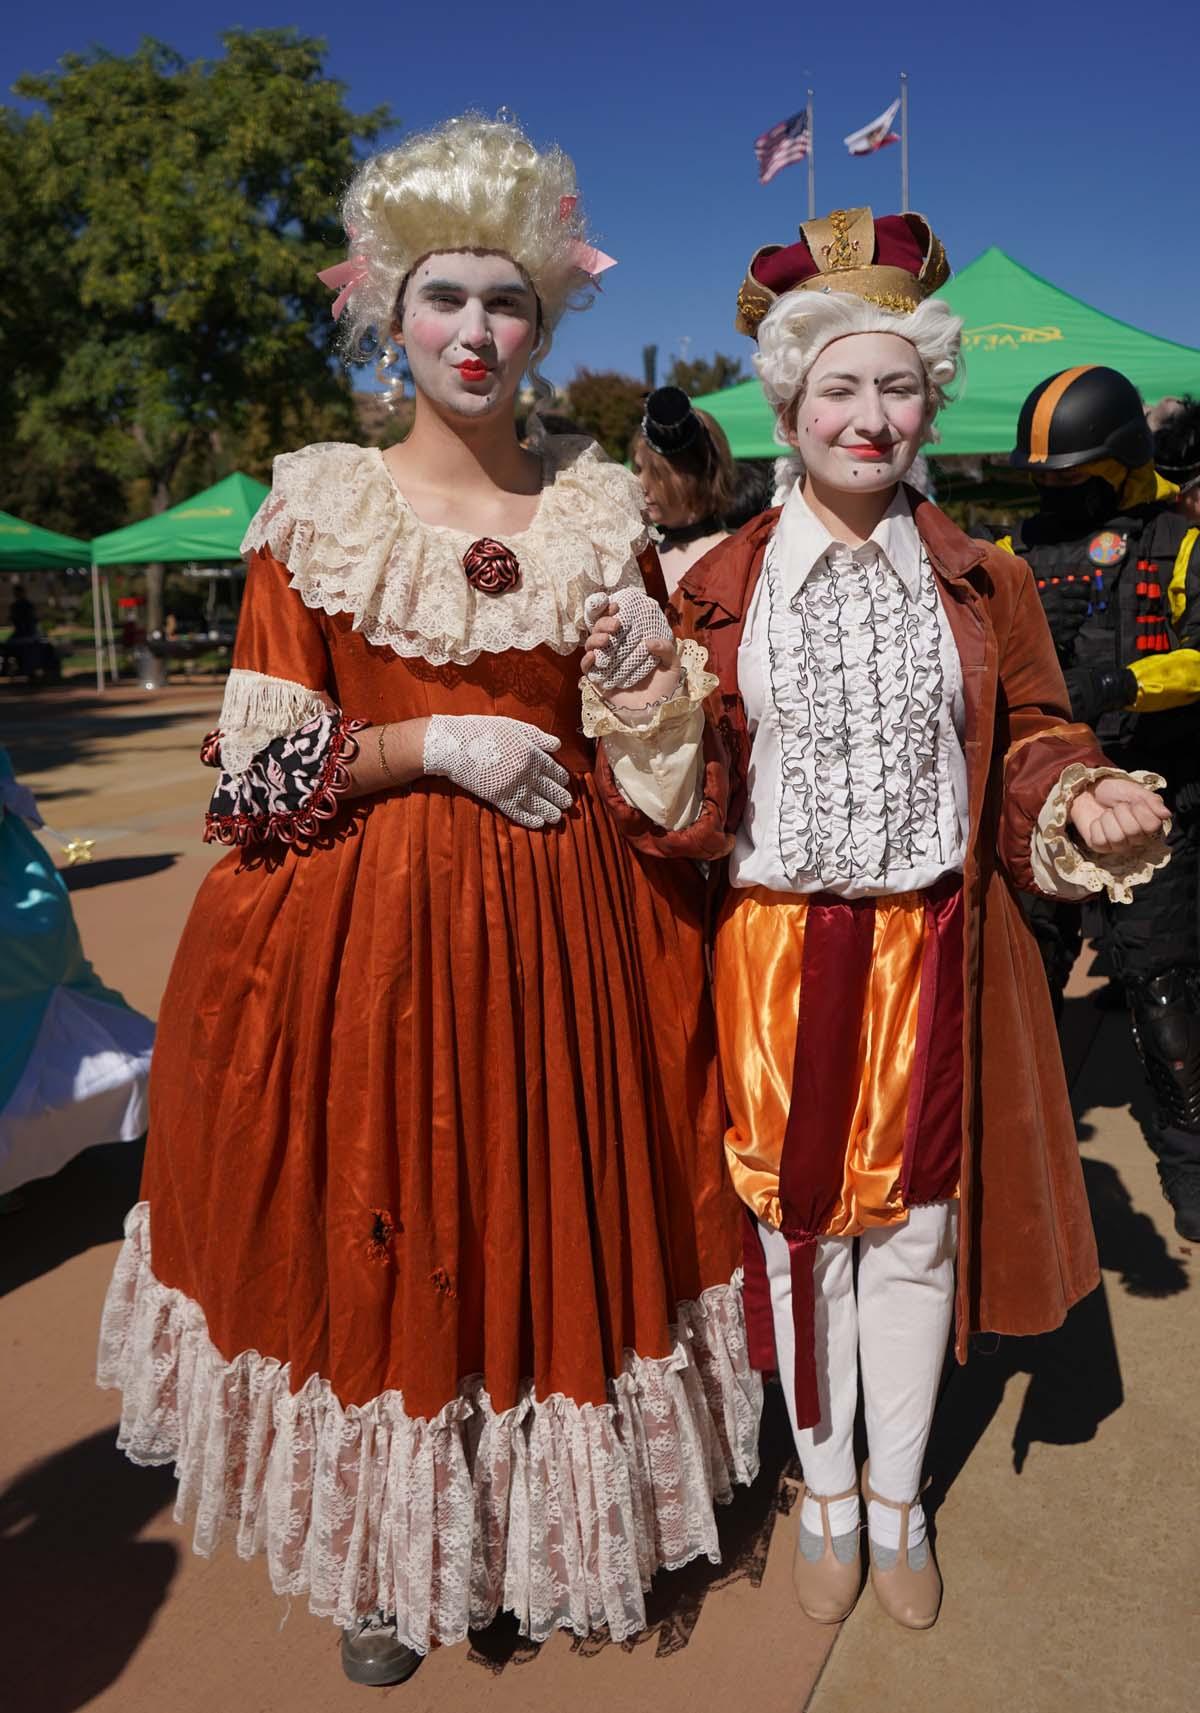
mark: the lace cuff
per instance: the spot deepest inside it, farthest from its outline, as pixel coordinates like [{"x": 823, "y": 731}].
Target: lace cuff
[
  {"x": 1067, "y": 870},
  {"x": 601, "y": 721},
  {"x": 658, "y": 765},
  {"x": 290, "y": 788}
]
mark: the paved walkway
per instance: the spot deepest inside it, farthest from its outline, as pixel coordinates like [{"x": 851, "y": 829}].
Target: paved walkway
[{"x": 1064, "y": 1467}]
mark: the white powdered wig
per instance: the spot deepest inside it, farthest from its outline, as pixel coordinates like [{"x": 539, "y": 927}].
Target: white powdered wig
[
  {"x": 470, "y": 184},
  {"x": 801, "y": 324}
]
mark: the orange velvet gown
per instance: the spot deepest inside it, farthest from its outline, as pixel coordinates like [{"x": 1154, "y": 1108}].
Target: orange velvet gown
[{"x": 433, "y": 1293}]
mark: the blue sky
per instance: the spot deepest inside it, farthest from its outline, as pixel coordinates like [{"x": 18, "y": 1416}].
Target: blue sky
[{"x": 1063, "y": 133}]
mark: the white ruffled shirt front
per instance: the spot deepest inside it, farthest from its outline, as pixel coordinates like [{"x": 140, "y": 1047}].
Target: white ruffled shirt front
[{"x": 852, "y": 685}]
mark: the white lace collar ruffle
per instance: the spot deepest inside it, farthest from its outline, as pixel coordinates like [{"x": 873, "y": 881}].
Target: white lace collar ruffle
[{"x": 352, "y": 544}]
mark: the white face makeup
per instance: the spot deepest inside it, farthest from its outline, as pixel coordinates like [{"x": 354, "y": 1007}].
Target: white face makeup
[
  {"x": 862, "y": 416},
  {"x": 468, "y": 328}
]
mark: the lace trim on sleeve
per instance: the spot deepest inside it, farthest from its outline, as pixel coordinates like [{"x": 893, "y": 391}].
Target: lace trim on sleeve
[
  {"x": 695, "y": 684},
  {"x": 352, "y": 544},
  {"x": 290, "y": 789},
  {"x": 659, "y": 767},
  {"x": 1066, "y": 870}
]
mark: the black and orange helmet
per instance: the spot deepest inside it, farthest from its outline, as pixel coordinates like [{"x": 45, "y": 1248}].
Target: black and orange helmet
[{"x": 1081, "y": 414}]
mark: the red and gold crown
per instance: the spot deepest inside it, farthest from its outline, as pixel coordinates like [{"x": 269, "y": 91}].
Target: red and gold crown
[{"x": 895, "y": 262}]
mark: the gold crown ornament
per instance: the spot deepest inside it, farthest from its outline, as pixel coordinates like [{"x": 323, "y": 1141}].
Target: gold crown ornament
[{"x": 895, "y": 262}]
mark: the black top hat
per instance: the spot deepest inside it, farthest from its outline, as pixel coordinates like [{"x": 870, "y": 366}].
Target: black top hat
[{"x": 670, "y": 425}]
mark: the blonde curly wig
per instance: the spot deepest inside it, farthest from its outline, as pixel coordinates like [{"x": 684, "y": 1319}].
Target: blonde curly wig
[{"x": 469, "y": 184}]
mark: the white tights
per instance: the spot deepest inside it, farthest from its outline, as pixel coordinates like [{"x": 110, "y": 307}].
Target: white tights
[{"x": 897, "y": 1327}]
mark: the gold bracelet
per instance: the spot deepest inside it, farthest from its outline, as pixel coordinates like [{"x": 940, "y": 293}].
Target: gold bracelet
[{"x": 383, "y": 760}]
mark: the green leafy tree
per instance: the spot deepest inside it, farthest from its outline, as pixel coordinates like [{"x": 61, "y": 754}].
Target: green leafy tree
[
  {"x": 175, "y": 215},
  {"x": 608, "y": 405},
  {"x": 704, "y": 375}
]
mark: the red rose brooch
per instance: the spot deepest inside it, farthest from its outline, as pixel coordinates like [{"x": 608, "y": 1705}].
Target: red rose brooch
[{"x": 491, "y": 567}]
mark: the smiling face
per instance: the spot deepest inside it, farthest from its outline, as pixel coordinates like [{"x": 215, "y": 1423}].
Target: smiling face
[
  {"x": 863, "y": 414},
  {"x": 468, "y": 326}
]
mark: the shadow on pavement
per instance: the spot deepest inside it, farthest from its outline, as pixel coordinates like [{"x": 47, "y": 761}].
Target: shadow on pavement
[
  {"x": 1129, "y": 1242},
  {"x": 1074, "y": 1384},
  {"x": 63, "y": 736},
  {"x": 677, "y": 1597},
  {"x": 1113, "y": 1077},
  {"x": 108, "y": 869},
  {"x": 80, "y": 1590},
  {"x": 58, "y": 1217},
  {"x": 1074, "y": 1372}
]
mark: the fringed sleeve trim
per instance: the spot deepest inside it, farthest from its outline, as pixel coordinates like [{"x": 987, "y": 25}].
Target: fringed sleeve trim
[{"x": 259, "y": 708}]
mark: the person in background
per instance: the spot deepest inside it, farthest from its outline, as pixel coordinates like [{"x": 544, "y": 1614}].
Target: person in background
[
  {"x": 1116, "y": 565},
  {"x": 753, "y": 484},
  {"x": 682, "y": 459},
  {"x": 1177, "y": 454},
  {"x": 22, "y": 615}
]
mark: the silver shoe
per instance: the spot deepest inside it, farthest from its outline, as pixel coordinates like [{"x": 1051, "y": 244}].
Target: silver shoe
[{"x": 372, "y": 1655}]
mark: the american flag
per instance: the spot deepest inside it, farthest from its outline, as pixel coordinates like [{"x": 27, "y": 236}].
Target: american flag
[{"x": 781, "y": 145}]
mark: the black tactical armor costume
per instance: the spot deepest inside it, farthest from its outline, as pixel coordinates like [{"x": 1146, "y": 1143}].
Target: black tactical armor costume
[{"x": 1118, "y": 571}]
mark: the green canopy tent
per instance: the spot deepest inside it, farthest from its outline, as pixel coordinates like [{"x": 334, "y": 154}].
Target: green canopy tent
[
  {"x": 26, "y": 547},
  {"x": 1017, "y": 329},
  {"x": 209, "y": 526}
]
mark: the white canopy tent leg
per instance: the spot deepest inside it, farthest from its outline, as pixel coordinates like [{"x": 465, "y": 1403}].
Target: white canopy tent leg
[
  {"x": 108, "y": 625},
  {"x": 96, "y": 628}
]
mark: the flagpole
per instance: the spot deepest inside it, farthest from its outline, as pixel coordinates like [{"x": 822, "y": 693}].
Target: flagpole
[
  {"x": 904, "y": 142},
  {"x": 812, "y": 163}
]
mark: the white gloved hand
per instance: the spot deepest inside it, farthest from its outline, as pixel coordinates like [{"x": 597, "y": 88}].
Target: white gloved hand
[
  {"x": 505, "y": 762},
  {"x": 626, "y": 662}
]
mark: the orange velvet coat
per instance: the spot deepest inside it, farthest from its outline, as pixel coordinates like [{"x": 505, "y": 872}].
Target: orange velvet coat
[{"x": 1026, "y": 1249}]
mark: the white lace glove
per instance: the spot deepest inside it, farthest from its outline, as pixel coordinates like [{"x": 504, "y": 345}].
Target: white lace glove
[
  {"x": 505, "y": 762},
  {"x": 625, "y": 662}
]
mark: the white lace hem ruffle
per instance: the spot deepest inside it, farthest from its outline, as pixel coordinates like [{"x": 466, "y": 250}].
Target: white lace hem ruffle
[
  {"x": 556, "y": 1511},
  {"x": 352, "y": 544}
]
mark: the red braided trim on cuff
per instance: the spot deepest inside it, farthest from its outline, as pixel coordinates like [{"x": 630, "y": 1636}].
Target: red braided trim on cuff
[{"x": 296, "y": 824}]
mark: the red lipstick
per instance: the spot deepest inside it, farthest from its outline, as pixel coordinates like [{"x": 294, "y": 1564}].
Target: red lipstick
[
  {"x": 870, "y": 454},
  {"x": 473, "y": 369}
]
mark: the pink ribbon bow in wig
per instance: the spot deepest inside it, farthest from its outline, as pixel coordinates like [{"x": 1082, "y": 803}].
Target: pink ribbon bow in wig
[
  {"x": 343, "y": 279},
  {"x": 586, "y": 257}
]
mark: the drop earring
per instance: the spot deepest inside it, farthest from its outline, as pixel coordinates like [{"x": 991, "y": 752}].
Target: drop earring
[{"x": 391, "y": 373}]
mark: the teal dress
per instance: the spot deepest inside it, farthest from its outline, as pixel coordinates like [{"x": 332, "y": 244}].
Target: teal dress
[{"x": 74, "y": 1058}]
